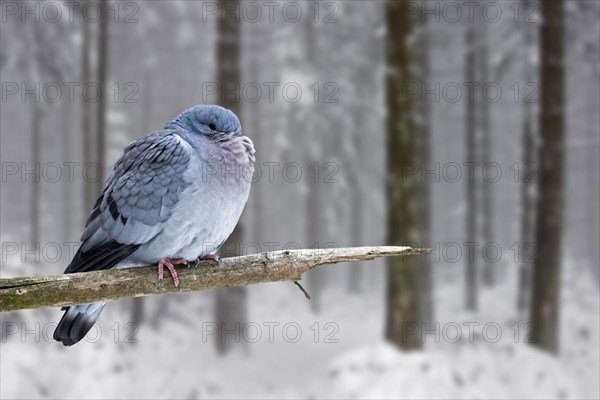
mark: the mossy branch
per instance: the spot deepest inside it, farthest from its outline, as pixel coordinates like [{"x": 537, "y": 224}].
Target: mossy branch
[{"x": 109, "y": 285}]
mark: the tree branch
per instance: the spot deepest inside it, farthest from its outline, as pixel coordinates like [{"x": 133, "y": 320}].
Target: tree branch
[{"x": 109, "y": 285}]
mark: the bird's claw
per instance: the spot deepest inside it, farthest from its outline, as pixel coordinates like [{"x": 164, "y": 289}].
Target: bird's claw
[
  {"x": 169, "y": 264},
  {"x": 209, "y": 257},
  {"x": 212, "y": 257}
]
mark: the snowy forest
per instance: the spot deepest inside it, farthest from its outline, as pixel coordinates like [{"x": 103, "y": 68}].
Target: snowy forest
[{"x": 470, "y": 128}]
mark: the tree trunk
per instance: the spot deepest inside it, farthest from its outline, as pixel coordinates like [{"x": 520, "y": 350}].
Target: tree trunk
[
  {"x": 354, "y": 273},
  {"x": 101, "y": 114},
  {"x": 67, "y": 193},
  {"x": 423, "y": 138},
  {"x": 487, "y": 207},
  {"x": 355, "y": 148},
  {"x": 593, "y": 168},
  {"x": 471, "y": 156},
  {"x": 230, "y": 304},
  {"x": 88, "y": 137},
  {"x": 546, "y": 282},
  {"x": 316, "y": 278},
  {"x": 35, "y": 201},
  {"x": 527, "y": 218},
  {"x": 528, "y": 189},
  {"x": 137, "y": 311},
  {"x": 403, "y": 275},
  {"x": 256, "y": 118}
]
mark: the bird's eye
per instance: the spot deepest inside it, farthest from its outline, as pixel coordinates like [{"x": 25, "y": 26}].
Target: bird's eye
[{"x": 212, "y": 126}]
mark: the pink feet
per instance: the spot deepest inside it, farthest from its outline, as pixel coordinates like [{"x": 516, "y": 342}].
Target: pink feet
[{"x": 169, "y": 264}]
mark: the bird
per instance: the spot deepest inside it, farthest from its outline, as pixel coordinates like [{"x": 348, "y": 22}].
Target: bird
[{"x": 174, "y": 197}]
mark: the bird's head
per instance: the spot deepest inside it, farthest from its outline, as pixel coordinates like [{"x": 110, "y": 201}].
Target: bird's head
[{"x": 209, "y": 120}]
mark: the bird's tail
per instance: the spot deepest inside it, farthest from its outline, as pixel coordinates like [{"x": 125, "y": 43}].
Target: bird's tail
[{"x": 76, "y": 322}]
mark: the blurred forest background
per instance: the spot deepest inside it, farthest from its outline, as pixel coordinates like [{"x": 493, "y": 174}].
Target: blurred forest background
[{"x": 468, "y": 127}]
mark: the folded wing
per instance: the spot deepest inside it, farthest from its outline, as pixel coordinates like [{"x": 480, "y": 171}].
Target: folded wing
[{"x": 137, "y": 200}]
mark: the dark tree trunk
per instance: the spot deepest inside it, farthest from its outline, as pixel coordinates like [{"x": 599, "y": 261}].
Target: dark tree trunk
[
  {"x": 230, "y": 304},
  {"x": 35, "y": 201},
  {"x": 314, "y": 278},
  {"x": 356, "y": 227},
  {"x": 67, "y": 193},
  {"x": 593, "y": 165},
  {"x": 471, "y": 157},
  {"x": 137, "y": 311},
  {"x": 424, "y": 190},
  {"x": 528, "y": 189},
  {"x": 403, "y": 275},
  {"x": 546, "y": 282},
  {"x": 89, "y": 188},
  {"x": 527, "y": 218},
  {"x": 256, "y": 127},
  {"x": 37, "y": 114},
  {"x": 487, "y": 207},
  {"x": 102, "y": 77}
]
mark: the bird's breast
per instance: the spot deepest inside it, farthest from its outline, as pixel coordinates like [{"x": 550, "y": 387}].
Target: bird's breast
[
  {"x": 221, "y": 180},
  {"x": 228, "y": 161}
]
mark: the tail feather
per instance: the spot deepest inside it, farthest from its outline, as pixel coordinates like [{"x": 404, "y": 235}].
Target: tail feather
[{"x": 76, "y": 322}]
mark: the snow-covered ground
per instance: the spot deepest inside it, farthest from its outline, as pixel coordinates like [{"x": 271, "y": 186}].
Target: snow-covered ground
[
  {"x": 290, "y": 352},
  {"x": 482, "y": 355}
]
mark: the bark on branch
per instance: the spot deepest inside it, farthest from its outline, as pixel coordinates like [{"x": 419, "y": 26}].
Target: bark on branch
[{"x": 109, "y": 285}]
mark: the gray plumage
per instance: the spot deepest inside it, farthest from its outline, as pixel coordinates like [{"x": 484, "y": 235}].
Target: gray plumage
[{"x": 176, "y": 193}]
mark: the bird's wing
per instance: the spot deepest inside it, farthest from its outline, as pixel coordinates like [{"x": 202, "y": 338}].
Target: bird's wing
[{"x": 136, "y": 201}]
